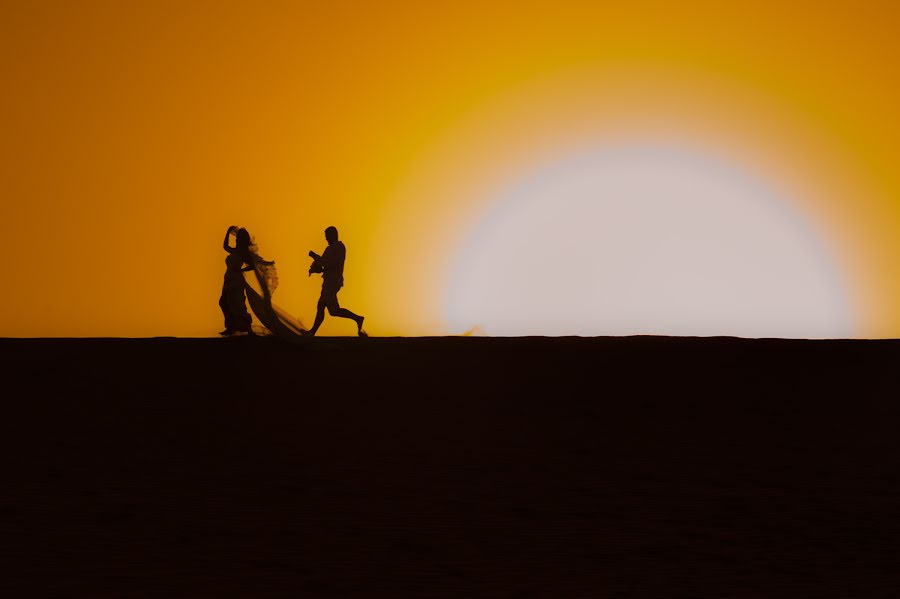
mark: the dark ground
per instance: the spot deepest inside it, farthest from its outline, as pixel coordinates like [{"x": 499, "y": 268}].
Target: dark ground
[{"x": 451, "y": 467}]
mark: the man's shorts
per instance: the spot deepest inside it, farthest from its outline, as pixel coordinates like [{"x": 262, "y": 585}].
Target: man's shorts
[{"x": 329, "y": 293}]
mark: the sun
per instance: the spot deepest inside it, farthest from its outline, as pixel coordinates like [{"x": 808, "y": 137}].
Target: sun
[{"x": 646, "y": 238}]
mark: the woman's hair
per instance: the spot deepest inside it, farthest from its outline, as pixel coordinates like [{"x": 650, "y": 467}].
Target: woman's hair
[{"x": 242, "y": 239}]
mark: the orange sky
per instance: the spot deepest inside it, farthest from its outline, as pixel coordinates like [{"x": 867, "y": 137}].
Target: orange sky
[{"x": 135, "y": 133}]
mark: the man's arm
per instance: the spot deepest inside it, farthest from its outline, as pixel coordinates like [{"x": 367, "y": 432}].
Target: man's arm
[{"x": 316, "y": 266}]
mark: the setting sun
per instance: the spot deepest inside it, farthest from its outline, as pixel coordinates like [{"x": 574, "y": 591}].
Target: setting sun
[{"x": 646, "y": 240}]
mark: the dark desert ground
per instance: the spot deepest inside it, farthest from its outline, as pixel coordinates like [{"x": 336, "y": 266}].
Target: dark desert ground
[{"x": 451, "y": 467}]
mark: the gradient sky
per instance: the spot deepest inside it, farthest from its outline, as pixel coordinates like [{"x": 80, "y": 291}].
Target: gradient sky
[{"x": 135, "y": 133}]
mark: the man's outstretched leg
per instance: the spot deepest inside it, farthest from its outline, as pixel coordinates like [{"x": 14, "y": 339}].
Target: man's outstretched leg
[
  {"x": 329, "y": 300},
  {"x": 345, "y": 313},
  {"x": 334, "y": 308}
]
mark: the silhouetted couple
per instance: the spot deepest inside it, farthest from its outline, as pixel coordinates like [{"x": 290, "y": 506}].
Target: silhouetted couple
[{"x": 237, "y": 320}]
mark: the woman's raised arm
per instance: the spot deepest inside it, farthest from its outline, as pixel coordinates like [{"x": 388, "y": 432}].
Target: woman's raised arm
[{"x": 225, "y": 245}]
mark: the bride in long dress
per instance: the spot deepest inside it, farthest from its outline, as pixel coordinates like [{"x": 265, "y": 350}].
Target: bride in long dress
[{"x": 260, "y": 283}]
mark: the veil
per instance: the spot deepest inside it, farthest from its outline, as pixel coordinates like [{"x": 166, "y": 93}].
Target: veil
[{"x": 260, "y": 284}]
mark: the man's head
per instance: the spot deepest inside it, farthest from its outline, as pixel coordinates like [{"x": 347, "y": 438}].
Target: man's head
[{"x": 331, "y": 234}]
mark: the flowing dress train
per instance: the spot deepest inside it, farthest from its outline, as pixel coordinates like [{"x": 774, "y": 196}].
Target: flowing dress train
[{"x": 259, "y": 285}]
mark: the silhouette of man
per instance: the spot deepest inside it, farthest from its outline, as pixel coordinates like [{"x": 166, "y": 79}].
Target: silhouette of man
[{"x": 331, "y": 265}]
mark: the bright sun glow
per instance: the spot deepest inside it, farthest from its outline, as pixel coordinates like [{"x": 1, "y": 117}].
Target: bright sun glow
[{"x": 646, "y": 240}]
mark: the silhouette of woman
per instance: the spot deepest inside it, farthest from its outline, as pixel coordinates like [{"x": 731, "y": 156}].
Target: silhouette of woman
[{"x": 232, "y": 301}]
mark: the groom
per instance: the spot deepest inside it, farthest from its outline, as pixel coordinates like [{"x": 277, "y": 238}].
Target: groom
[{"x": 331, "y": 265}]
